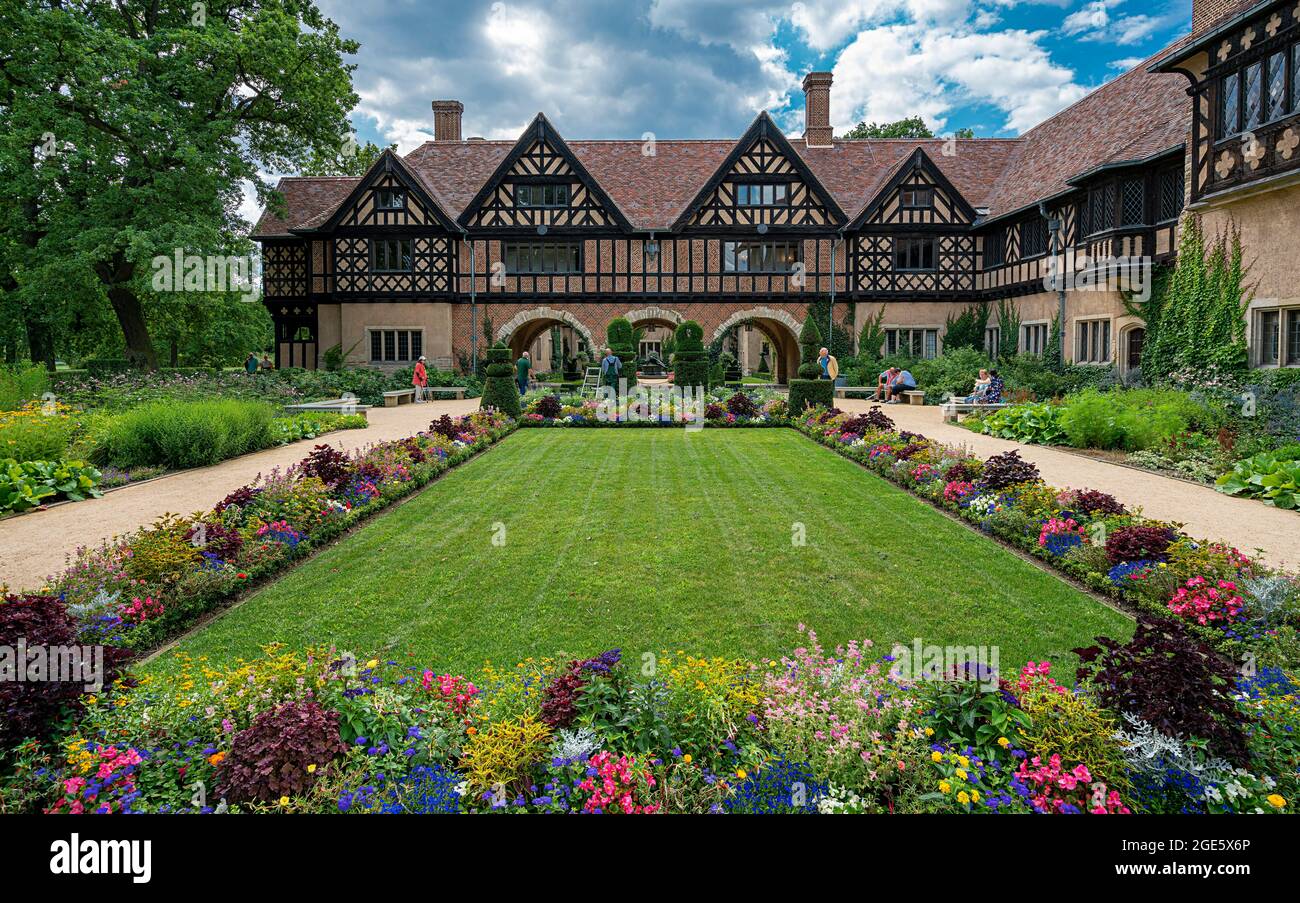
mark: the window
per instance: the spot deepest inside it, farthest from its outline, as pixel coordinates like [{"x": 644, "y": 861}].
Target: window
[
  {"x": 995, "y": 244},
  {"x": 1229, "y": 105},
  {"x": 1033, "y": 338},
  {"x": 396, "y": 345},
  {"x": 1268, "y": 339},
  {"x": 767, "y": 194},
  {"x": 1295, "y": 78},
  {"x": 392, "y": 255},
  {"x": 1033, "y": 237},
  {"x": 542, "y": 257},
  {"x": 921, "y": 343},
  {"x": 1132, "y": 202},
  {"x": 1171, "y": 195},
  {"x": 759, "y": 256},
  {"x": 549, "y": 195},
  {"x": 1099, "y": 210},
  {"x": 1092, "y": 342},
  {"x": 1252, "y": 100},
  {"x": 1293, "y": 338},
  {"x": 1277, "y": 85},
  {"x": 992, "y": 342},
  {"x": 390, "y": 199},
  {"x": 916, "y": 254},
  {"x": 917, "y": 198}
]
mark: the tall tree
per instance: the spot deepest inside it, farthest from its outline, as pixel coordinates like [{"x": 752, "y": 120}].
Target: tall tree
[
  {"x": 911, "y": 127},
  {"x": 350, "y": 159},
  {"x": 153, "y": 115}
]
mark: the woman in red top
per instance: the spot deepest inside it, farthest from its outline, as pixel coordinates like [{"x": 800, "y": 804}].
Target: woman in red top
[{"x": 419, "y": 379}]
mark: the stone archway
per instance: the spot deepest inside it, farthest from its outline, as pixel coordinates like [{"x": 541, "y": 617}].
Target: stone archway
[
  {"x": 781, "y": 328},
  {"x": 659, "y": 324},
  {"x": 654, "y": 315},
  {"x": 521, "y": 330}
]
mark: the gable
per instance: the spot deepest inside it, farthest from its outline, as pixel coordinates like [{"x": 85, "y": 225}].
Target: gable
[
  {"x": 763, "y": 182},
  {"x": 917, "y": 194},
  {"x": 388, "y": 177},
  {"x": 541, "y": 183}
]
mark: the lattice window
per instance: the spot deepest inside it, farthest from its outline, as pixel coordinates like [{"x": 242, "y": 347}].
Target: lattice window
[
  {"x": 1171, "y": 194},
  {"x": 995, "y": 248},
  {"x": 1033, "y": 237},
  {"x": 1277, "y": 85},
  {"x": 1252, "y": 91},
  {"x": 543, "y": 257},
  {"x": 759, "y": 256},
  {"x": 771, "y": 194},
  {"x": 1229, "y": 105},
  {"x": 1133, "y": 205},
  {"x": 916, "y": 254},
  {"x": 917, "y": 198}
]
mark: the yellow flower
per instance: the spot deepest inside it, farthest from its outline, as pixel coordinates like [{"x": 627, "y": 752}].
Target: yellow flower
[
  {"x": 974, "y": 796},
  {"x": 311, "y": 769},
  {"x": 929, "y": 732},
  {"x": 284, "y": 801},
  {"x": 963, "y": 797},
  {"x": 1003, "y": 742},
  {"x": 936, "y": 756},
  {"x": 1276, "y": 800},
  {"x": 373, "y": 663},
  {"x": 963, "y": 761},
  {"x": 944, "y": 787},
  {"x": 740, "y": 773},
  {"x": 961, "y": 773},
  {"x": 687, "y": 758}
]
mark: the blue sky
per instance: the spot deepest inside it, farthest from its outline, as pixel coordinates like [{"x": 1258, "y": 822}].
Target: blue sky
[{"x": 704, "y": 68}]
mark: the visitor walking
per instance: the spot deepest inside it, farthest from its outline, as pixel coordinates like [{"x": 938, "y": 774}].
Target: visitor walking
[
  {"x": 610, "y": 367},
  {"x": 523, "y": 369},
  {"x": 420, "y": 380}
]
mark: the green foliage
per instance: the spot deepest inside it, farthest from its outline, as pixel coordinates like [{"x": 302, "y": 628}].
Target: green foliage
[
  {"x": 499, "y": 388},
  {"x": 871, "y": 340},
  {"x": 810, "y": 343},
  {"x": 1274, "y": 478},
  {"x": 27, "y": 484},
  {"x": 190, "y": 434},
  {"x": 840, "y": 340},
  {"x": 20, "y": 384},
  {"x": 815, "y": 393},
  {"x": 966, "y": 330},
  {"x": 690, "y": 359},
  {"x": 36, "y": 436},
  {"x": 1037, "y": 422},
  {"x": 1132, "y": 419},
  {"x": 1008, "y": 328},
  {"x": 621, "y": 338},
  {"x": 911, "y": 127},
  {"x": 1195, "y": 319}
]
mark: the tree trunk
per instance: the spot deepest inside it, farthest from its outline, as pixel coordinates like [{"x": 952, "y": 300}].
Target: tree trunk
[
  {"x": 175, "y": 354},
  {"x": 116, "y": 275},
  {"x": 41, "y": 344}
]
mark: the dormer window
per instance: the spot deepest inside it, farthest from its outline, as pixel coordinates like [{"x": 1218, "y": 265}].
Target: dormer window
[
  {"x": 390, "y": 199},
  {"x": 762, "y": 194},
  {"x": 552, "y": 194},
  {"x": 917, "y": 198}
]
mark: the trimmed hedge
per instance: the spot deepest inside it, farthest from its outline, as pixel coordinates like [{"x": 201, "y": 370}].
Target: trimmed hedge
[
  {"x": 815, "y": 393},
  {"x": 691, "y": 360},
  {"x": 189, "y": 434},
  {"x": 499, "y": 389}
]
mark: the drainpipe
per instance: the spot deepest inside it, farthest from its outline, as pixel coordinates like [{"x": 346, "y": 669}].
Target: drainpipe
[
  {"x": 830, "y": 319},
  {"x": 473, "y": 310},
  {"x": 1054, "y": 227}
]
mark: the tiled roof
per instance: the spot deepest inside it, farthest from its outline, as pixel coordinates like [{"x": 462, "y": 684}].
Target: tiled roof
[{"x": 1130, "y": 118}]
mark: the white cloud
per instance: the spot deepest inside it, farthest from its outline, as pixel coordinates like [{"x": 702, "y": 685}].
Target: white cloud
[{"x": 1095, "y": 22}]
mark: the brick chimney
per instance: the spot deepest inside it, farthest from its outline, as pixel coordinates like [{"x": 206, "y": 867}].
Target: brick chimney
[
  {"x": 1210, "y": 12},
  {"x": 817, "y": 109},
  {"x": 446, "y": 120}
]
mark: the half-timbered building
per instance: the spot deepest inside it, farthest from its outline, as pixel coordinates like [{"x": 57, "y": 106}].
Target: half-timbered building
[{"x": 542, "y": 241}]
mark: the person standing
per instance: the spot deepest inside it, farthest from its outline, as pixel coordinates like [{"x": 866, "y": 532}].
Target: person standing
[
  {"x": 523, "y": 368},
  {"x": 420, "y": 380},
  {"x": 830, "y": 366},
  {"x": 250, "y": 365},
  {"x": 610, "y": 367}
]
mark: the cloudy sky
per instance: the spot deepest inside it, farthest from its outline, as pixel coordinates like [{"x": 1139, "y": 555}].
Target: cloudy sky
[{"x": 704, "y": 68}]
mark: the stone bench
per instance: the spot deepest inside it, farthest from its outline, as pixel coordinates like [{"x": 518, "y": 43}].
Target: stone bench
[
  {"x": 457, "y": 392},
  {"x": 399, "y": 396},
  {"x": 332, "y": 406},
  {"x": 915, "y": 396},
  {"x": 952, "y": 410},
  {"x": 842, "y": 391}
]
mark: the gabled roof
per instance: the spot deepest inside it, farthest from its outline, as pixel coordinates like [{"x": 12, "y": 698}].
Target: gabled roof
[
  {"x": 763, "y": 128},
  {"x": 919, "y": 159},
  {"x": 541, "y": 130},
  {"x": 305, "y": 198},
  {"x": 388, "y": 162}
]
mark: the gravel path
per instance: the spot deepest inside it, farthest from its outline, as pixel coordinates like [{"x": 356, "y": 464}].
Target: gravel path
[
  {"x": 37, "y": 544},
  {"x": 1205, "y": 514}
]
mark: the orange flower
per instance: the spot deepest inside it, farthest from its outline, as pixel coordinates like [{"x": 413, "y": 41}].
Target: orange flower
[{"x": 216, "y": 758}]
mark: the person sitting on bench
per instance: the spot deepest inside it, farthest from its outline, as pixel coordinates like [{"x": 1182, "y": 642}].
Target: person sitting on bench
[
  {"x": 993, "y": 394},
  {"x": 904, "y": 381},
  {"x": 981, "y": 388},
  {"x": 883, "y": 383}
]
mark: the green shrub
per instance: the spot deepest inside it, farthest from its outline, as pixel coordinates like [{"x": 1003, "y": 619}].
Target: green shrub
[
  {"x": 187, "y": 434},
  {"x": 1035, "y": 421},
  {"x": 27, "y": 484},
  {"x": 690, "y": 360},
  {"x": 33, "y": 436},
  {"x": 21, "y": 384},
  {"x": 1132, "y": 419},
  {"x": 810, "y": 343},
  {"x": 499, "y": 389},
  {"x": 817, "y": 393},
  {"x": 1272, "y": 478}
]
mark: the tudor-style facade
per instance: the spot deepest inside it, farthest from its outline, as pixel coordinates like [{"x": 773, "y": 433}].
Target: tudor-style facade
[{"x": 462, "y": 241}]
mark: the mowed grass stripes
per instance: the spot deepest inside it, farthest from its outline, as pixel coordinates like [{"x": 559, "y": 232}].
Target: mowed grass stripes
[{"x": 564, "y": 543}]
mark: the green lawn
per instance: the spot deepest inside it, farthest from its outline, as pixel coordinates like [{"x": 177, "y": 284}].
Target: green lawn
[{"x": 658, "y": 539}]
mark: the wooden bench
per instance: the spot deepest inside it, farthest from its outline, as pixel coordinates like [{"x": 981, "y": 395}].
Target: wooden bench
[
  {"x": 952, "y": 410},
  {"x": 915, "y": 396},
  {"x": 332, "y": 406},
  {"x": 457, "y": 392},
  {"x": 399, "y": 396}
]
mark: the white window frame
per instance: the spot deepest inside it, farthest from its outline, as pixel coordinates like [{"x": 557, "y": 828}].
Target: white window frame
[
  {"x": 1090, "y": 331},
  {"x": 992, "y": 341},
  {"x": 1026, "y": 347},
  {"x": 412, "y": 353},
  {"x": 909, "y": 329},
  {"x": 1286, "y": 314}
]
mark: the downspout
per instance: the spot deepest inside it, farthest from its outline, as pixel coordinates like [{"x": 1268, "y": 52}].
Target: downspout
[
  {"x": 1054, "y": 227},
  {"x": 473, "y": 309}
]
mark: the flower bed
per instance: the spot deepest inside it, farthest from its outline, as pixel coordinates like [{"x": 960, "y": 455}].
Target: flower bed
[
  {"x": 817, "y": 731},
  {"x": 722, "y": 408},
  {"x": 142, "y": 588},
  {"x": 1088, "y": 535}
]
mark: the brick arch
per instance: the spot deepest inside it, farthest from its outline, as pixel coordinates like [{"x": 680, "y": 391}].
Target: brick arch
[
  {"x": 521, "y": 329},
  {"x": 780, "y": 326},
  {"x": 654, "y": 314}
]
